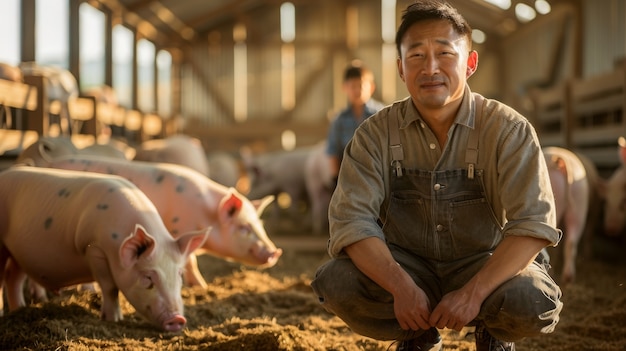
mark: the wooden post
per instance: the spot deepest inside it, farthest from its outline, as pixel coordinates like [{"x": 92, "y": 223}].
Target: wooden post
[{"x": 38, "y": 119}]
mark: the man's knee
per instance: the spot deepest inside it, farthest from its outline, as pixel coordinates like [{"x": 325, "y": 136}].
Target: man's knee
[{"x": 527, "y": 305}]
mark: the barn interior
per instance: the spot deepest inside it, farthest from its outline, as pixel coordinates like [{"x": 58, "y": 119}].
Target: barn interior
[
  {"x": 253, "y": 81},
  {"x": 266, "y": 74}
]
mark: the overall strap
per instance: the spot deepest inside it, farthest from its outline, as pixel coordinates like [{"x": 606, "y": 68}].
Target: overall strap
[
  {"x": 471, "y": 154},
  {"x": 397, "y": 154}
]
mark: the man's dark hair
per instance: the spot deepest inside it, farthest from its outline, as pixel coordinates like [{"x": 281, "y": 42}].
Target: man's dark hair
[
  {"x": 432, "y": 9},
  {"x": 356, "y": 69}
]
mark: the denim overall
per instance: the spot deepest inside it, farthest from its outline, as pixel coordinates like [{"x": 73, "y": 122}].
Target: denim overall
[{"x": 441, "y": 230}]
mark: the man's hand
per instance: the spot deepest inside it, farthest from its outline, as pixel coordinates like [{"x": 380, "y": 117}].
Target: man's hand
[
  {"x": 411, "y": 305},
  {"x": 459, "y": 307},
  {"x": 412, "y": 308},
  {"x": 455, "y": 311}
]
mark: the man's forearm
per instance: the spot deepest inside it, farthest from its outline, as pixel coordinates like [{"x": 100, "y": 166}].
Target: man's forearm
[
  {"x": 511, "y": 256},
  {"x": 372, "y": 257}
]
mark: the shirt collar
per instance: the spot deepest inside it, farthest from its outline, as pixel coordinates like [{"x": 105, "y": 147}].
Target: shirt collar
[{"x": 465, "y": 116}]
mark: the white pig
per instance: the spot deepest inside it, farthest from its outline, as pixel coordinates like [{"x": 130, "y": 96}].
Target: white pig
[
  {"x": 614, "y": 194},
  {"x": 187, "y": 200},
  {"x": 573, "y": 179},
  {"x": 179, "y": 149},
  {"x": 277, "y": 172},
  {"x": 65, "y": 227},
  {"x": 320, "y": 187}
]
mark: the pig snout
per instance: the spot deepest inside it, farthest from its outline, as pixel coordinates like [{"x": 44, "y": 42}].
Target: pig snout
[
  {"x": 175, "y": 324},
  {"x": 266, "y": 257}
]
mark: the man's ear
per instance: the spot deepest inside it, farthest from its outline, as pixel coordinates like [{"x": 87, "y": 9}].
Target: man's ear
[
  {"x": 472, "y": 63},
  {"x": 400, "y": 71}
]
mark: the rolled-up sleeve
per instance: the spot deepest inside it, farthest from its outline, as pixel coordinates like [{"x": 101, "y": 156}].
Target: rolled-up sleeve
[
  {"x": 355, "y": 205},
  {"x": 524, "y": 185}
]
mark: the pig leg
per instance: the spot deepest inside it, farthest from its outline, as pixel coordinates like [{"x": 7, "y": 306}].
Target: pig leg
[
  {"x": 37, "y": 292},
  {"x": 574, "y": 232},
  {"x": 193, "y": 277},
  {"x": 4, "y": 257},
  {"x": 99, "y": 266},
  {"x": 575, "y": 217},
  {"x": 14, "y": 279}
]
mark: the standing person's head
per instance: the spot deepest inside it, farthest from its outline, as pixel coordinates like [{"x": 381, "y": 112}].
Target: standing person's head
[
  {"x": 435, "y": 55},
  {"x": 358, "y": 83}
]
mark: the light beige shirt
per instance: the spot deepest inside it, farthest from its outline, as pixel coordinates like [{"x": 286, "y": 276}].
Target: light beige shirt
[{"x": 516, "y": 179}]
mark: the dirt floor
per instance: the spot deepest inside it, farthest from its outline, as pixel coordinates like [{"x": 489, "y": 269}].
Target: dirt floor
[{"x": 275, "y": 309}]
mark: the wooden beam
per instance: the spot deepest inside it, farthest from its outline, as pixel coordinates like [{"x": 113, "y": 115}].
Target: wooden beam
[{"x": 210, "y": 88}]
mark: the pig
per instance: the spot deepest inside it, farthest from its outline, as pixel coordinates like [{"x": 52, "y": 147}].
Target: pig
[
  {"x": 62, "y": 87},
  {"x": 179, "y": 149},
  {"x": 224, "y": 168},
  {"x": 63, "y": 228},
  {"x": 47, "y": 148},
  {"x": 277, "y": 172},
  {"x": 614, "y": 194},
  {"x": 320, "y": 185},
  {"x": 573, "y": 178},
  {"x": 188, "y": 200},
  {"x": 112, "y": 148}
]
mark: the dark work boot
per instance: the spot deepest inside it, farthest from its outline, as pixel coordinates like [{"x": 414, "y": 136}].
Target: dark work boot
[
  {"x": 429, "y": 341},
  {"x": 486, "y": 342}
]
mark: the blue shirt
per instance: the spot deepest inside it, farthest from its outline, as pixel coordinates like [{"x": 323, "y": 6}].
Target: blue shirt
[{"x": 342, "y": 128}]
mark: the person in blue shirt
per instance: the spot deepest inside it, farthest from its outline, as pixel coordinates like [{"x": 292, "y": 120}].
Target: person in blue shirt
[{"x": 359, "y": 85}]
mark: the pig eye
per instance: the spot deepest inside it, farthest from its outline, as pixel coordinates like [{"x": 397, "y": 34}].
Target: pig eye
[
  {"x": 244, "y": 231},
  {"x": 146, "y": 282}
]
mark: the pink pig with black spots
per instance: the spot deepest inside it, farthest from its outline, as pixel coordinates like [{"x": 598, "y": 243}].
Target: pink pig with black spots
[
  {"x": 63, "y": 228},
  {"x": 187, "y": 200}
]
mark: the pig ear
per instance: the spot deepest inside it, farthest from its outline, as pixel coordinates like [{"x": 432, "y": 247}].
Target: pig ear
[
  {"x": 190, "y": 242},
  {"x": 45, "y": 148},
  {"x": 139, "y": 245},
  {"x": 261, "y": 204},
  {"x": 230, "y": 205}
]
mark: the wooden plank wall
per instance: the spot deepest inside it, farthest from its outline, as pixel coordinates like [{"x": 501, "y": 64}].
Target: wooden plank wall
[
  {"x": 584, "y": 114},
  {"x": 27, "y": 110}
]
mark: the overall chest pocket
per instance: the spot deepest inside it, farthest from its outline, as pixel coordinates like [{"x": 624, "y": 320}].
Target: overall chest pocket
[
  {"x": 472, "y": 226},
  {"x": 407, "y": 221}
]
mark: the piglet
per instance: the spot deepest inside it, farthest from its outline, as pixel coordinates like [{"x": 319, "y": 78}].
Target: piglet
[{"x": 63, "y": 228}]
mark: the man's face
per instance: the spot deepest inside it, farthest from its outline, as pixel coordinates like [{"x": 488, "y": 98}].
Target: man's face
[
  {"x": 434, "y": 63},
  {"x": 358, "y": 90}
]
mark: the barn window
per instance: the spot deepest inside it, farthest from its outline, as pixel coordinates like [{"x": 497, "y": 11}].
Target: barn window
[
  {"x": 123, "y": 42},
  {"x": 287, "y": 22},
  {"x": 478, "y": 36},
  {"x": 92, "y": 25},
  {"x": 503, "y": 4},
  {"x": 524, "y": 13},
  {"x": 543, "y": 7},
  {"x": 164, "y": 86},
  {"x": 52, "y": 31},
  {"x": 10, "y": 27},
  {"x": 288, "y": 56},
  {"x": 146, "y": 57}
]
